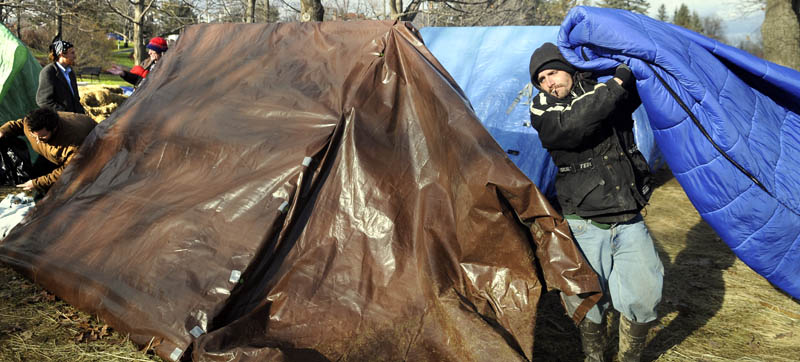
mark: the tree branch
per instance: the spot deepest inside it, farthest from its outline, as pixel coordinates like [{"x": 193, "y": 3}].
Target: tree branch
[
  {"x": 147, "y": 8},
  {"x": 118, "y": 12},
  {"x": 290, "y": 7}
]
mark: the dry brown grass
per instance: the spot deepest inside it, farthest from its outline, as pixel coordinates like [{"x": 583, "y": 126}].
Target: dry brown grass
[
  {"x": 101, "y": 100},
  {"x": 714, "y": 308},
  {"x": 37, "y": 326}
]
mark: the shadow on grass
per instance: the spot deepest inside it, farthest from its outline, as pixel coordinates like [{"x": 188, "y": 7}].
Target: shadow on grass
[{"x": 693, "y": 287}]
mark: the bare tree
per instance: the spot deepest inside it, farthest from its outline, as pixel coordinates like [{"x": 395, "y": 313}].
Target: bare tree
[
  {"x": 781, "y": 32},
  {"x": 6, "y": 8},
  {"x": 480, "y": 12},
  {"x": 59, "y": 16},
  {"x": 140, "y": 10},
  {"x": 712, "y": 28},
  {"x": 311, "y": 10}
]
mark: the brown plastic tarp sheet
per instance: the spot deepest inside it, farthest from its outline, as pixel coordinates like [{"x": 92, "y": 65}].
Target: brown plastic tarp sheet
[{"x": 301, "y": 191}]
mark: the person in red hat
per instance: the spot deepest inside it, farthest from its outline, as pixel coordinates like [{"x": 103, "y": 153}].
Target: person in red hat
[{"x": 155, "y": 48}]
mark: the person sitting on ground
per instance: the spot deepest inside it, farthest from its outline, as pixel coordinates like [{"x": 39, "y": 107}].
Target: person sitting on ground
[
  {"x": 55, "y": 136},
  {"x": 58, "y": 87},
  {"x": 137, "y": 74}
]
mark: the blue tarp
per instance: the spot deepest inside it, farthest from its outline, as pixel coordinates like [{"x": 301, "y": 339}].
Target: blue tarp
[
  {"x": 744, "y": 175},
  {"x": 490, "y": 64}
]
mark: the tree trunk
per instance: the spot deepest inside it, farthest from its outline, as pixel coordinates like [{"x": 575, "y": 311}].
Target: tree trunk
[
  {"x": 780, "y": 33},
  {"x": 252, "y": 18},
  {"x": 311, "y": 10},
  {"x": 138, "y": 37},
  {"x": 58, "y": 18},
  {"x": 267, "y": 6},
  {"x": 19, "y": 22},
  {"x": 411, "y": 11},
  {"x": 395, "y": 7}
]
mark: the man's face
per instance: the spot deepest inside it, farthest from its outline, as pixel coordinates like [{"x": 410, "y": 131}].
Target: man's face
[
  {"x": 67, "y": 58},
  {"x": 556, "y": 82},
  {"x": 154, "y": 55},
  {"x": 42, "y": 135}
]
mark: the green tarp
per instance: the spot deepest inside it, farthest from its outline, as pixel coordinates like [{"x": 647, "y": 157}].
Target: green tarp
[{"x": 19, "y": 77}]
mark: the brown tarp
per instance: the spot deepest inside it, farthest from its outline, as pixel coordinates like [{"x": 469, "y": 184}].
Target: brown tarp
[{"x": 339, "y": 169}]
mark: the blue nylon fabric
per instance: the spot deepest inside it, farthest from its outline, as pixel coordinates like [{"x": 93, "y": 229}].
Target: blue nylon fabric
[
  {"x": 490, "y": 64},
  {"x": 748, "y": 106}
]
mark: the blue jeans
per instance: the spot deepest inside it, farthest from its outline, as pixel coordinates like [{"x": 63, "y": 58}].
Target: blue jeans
[{"x": 627, "y": 263}]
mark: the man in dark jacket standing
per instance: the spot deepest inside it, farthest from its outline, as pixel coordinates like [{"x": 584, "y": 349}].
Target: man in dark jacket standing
[
  {"x": 58, "y": 87},
  {"x": 602, "y": 184}
]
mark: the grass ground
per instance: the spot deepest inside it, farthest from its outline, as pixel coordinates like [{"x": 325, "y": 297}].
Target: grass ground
[
  {"x": 121, "y": 57},
  {"x": 35, "y": 325},
  {"x": 714, "y": 308}
]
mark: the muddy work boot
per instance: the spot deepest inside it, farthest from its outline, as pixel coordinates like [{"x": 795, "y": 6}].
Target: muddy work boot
[
  {"x": 632, "y": 338},
  {"x": 593, "y": 338}
]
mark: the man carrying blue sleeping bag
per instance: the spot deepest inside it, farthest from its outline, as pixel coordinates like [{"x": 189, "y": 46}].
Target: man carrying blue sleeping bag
[{"x": 602, "y": 184}]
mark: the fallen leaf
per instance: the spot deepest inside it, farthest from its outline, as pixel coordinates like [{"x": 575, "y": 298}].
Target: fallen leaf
[{"x": 783, "y": 335}]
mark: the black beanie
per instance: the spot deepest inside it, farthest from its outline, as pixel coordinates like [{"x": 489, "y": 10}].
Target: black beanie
[{"x": 548, "y": 56}]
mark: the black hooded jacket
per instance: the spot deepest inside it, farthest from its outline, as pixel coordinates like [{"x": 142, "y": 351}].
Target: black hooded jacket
[{"x": 601, "y": 173}]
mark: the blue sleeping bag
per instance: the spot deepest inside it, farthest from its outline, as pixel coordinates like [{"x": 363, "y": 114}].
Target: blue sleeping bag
[
  {"x": 726, "y": 121},
  {"x": 490, "y": 64}
]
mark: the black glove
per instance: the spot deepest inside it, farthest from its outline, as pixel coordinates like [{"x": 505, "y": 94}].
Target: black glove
[{"x": 624, "y": 74}]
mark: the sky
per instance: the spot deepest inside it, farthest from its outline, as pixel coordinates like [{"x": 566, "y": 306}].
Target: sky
[{"x": 737, "y": 25}]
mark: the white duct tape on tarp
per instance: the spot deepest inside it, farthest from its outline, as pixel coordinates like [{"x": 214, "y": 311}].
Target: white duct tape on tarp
[
  {"x": 235, "y": 276},
  {"x": 176, "y": 353}
]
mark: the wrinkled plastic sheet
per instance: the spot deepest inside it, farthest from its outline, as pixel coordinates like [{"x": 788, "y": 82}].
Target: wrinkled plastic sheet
[
  {"x": 301, "y": 191},
  {"x": 15, "y": 162}
]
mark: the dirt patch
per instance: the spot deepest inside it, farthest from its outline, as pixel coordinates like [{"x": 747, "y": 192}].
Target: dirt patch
[{"x": 714, "y": 307}]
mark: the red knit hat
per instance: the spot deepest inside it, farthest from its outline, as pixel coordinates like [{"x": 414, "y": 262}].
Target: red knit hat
[{"x": 158, "y": 44}]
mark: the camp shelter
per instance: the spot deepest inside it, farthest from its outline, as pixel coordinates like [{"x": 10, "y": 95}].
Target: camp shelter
[
  {"x": 724, "y": 120},
  {"x": 19, "y": 77},
  {"x": 490, "y": 64},
  {"x": 301, "y": 191}
]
